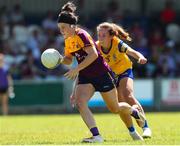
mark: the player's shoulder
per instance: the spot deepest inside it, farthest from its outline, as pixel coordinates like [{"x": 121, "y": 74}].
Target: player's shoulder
[
  {"x": 81, "y": 32},
  {"x": 116, "y": 40},
  {"x": 84, "y": 37}
]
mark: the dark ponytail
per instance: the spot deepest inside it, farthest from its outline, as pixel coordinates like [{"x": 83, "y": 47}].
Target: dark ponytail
[
  {"x": 69, "y": 7},
  {"x": 67, "y": 14}
]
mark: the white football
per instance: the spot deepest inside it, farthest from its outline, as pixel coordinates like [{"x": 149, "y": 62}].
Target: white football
[{"x": 50, "y": 58}]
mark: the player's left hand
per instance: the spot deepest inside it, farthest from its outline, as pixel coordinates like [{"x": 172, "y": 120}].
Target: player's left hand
[
  {"x": 142, "y": 60},
  {"x": 72, "y": 73}
]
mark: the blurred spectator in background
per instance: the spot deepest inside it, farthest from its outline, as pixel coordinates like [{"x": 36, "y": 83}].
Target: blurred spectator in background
[
  {"x": 168, "y": 14},
  {"x": 139, "y": 40},
  {"x": 16, "y": 15},
  {"x": 166, "y": 62},
  {"x": 49, "y": 22},
  {"x": 140, "y": 45},
  {"x": 156, "y": 38},
  {"x": 22, "y": 41},
  {"x": 20, "y": 36},
  {"x": 4, "y": 14},
  {"x": 29, "y": 69},
  {"x": 156, "y": 43},
  {"x": 4, "y": 30},
  {"x": 112, "y": 12},
  {"x": 173, "y": 32},
  {"x": 34, "y": 43},
  {"x": 6, "y": 86}
]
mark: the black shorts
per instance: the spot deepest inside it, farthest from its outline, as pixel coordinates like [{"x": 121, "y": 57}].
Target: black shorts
[
  {"x": 103, "y": 83},
  {"x": 3, "y": 90}
]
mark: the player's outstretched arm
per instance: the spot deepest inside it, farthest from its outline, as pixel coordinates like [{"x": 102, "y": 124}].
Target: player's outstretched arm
[{"x": 137, "y": 55}]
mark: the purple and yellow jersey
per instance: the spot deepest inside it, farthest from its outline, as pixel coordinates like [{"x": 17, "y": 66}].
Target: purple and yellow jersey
[
  {"x": 116, "y": 57},
  {"x": 74, "y": 46}
]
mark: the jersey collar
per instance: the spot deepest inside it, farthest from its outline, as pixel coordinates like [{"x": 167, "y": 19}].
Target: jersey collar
[{"x": 106, "y": 51}]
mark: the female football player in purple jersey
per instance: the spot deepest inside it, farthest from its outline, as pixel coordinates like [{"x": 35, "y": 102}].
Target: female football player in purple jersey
[{"x": 92, "y": 73}]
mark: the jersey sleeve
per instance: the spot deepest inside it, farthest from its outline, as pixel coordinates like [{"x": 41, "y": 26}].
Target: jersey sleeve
[
  {"x": 122, "y": 47},
  {"x": 84, "y": 40}
]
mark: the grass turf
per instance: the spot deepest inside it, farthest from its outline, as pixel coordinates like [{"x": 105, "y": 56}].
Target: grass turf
[{"x": 70, "y": 129}]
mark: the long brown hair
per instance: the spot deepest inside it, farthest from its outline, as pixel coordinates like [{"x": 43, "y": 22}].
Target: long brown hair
[{"x": 115, "y": 30}]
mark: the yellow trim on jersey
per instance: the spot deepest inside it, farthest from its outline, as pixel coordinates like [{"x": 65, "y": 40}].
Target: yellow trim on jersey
[{"x": 118, "y": 61}]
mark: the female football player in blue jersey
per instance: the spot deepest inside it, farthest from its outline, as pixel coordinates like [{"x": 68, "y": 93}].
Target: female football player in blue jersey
[
  {"x": 92, "y": 73},
  {"x": 115, "y": 52}
]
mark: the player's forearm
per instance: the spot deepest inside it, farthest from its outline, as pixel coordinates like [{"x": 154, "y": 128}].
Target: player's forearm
[
  {"x": 86, "y": 62},
  {"x": 65, "y": 60},
  {"x": 138, "y": 55},
  {"x": 134, "y": 53}
]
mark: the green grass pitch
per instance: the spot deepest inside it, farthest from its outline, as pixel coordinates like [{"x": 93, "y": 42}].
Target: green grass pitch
[{"x": 69, "y": 129}]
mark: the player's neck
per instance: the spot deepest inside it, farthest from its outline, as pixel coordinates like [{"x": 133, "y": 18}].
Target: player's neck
[
  {"x": 107, "y": 46},
  {"x": 73, "y": 33}
]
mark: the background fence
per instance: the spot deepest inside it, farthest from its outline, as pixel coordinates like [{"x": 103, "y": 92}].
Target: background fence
[{"x": 53, "y": 96}]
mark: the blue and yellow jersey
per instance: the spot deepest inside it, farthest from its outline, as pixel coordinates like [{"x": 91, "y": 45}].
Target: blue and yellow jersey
[
  {"x": 74, "y": 46},
  {"x": 116, "y": 56}
]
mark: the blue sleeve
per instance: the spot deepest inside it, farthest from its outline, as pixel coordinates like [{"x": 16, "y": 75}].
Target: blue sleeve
[{"x": 122, "y": 47}]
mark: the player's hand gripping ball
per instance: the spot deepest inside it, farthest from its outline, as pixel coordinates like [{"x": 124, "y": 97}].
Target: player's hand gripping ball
[{"x": 51, "y": 58}]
